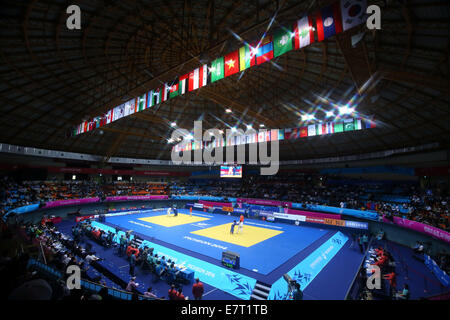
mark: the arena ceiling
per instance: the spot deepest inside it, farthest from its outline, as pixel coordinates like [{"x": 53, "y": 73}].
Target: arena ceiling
[{"x": 52, "y": 78}]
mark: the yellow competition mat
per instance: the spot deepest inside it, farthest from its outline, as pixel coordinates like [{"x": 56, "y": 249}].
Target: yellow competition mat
[
  {"x": 250, "y": 235},
  {"x": 171, "y": 221}
]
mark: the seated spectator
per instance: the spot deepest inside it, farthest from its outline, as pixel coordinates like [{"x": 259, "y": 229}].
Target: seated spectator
[
  {"x": 418, "y": 248},
  {"x": 149, "y": 293},
  {"x": 404, "y": 294},
  {"x": 381, "y": 261},
  {"x": 132, "y": 285},
  {"x": 172, "y": 272},
  {"x": 96, "y": 233},
  {"x": 90, "y": 257}
]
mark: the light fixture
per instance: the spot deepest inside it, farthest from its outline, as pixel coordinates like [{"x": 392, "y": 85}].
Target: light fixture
[
  {"x": 249, "y": 127},
  {"x": 228, "y": 111},
  {"x": 261, "y": 125},
  {"x": 346, "y": 110},
  {"x": 173, "y": 124},
  {"x": 169, "y": 140},
  {"x": 329, "y": 114},
  {"x": 233, "y": 129}
]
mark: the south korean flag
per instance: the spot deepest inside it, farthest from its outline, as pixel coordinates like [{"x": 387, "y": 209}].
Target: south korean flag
[{"x": 353, "y": 13}]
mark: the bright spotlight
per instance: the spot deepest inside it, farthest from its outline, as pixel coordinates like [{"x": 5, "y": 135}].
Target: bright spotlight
[
  {"x": 233, "y": 129},
  {"x": 261, "y": 125},
  {"x": 173, "y": 124},
  {"x": 228, "y": 111},
  {"x": 249, "y": 126},
  {"x": 329, "y": 114},
  {"x": 307, "y": 117},
  {"x": 345, "y": 110},
  {"x": 169, "y": 140}
]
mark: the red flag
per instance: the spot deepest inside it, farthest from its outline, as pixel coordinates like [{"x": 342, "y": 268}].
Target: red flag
[{"x": 303, "y": 132}]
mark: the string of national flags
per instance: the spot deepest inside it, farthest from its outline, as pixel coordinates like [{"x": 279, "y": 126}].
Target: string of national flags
[
  {"x": 318, "y": 129},
  {"x": 329, "y": 21}
]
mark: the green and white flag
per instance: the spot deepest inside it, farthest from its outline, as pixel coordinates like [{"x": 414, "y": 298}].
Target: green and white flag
[
  {"x": 349, "y": 125},
  {"x": 141, "y": 103},
  {"x": 217, "y": 69},
  {"x": 338, "y": 127},
  {"x": 282, "y": 41}
]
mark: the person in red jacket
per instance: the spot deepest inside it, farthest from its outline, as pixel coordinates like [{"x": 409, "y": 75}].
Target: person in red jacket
[
  {"x": 197, "y": 289},
  {"x": 381, "y": 261},
  {"x": 96, "y": 233},
  {"x": 172, "y": 293},
  {"x": 180, "y": 295},
  {"x": 392, "y": 282}
]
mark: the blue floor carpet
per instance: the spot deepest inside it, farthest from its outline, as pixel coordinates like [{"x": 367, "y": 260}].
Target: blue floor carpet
[
  {"x": 291, "y": 241},
  {"x": 335, "y": 276},
  {"x": 422, "y": 282}
]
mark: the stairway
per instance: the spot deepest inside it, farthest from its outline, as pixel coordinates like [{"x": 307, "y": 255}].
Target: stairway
[{"x": 261, "y": 291}]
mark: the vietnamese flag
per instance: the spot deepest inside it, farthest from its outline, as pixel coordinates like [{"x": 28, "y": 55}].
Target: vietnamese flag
[
  {"x": 303, "y": 132},
  {"x": 231, "y": 63}
]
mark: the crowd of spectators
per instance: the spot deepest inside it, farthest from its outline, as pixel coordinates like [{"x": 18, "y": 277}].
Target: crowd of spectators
[
  {"x": 15, "y": 194},
  {"x": 426, "y": 205}
]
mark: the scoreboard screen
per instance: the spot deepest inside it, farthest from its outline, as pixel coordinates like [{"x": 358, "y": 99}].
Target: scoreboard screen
[{"x": 231, "y": 171}]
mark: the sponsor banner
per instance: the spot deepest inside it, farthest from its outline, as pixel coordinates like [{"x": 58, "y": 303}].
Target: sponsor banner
[
  {"x": 313, "y": 214},
  {"x": 22, "y": 210},
  {"x": 227, "y": 209},
  {"x": 422, "y": 228},
  {"x": 440, "y": 274},
  {"x": 122, "y": 213},
  {"x": 315, "y": 220},
  {"x": 239, "y": 210},
  {"x": 334, "y": 222},
  {"x": 265, "y": 202},
  {"x": 302, "y": 218},
  {"x": 71, "y": 202},
  {"x": 78, "y": 219},
  {"x": 357, "y": 225},
  {"x": 115, "y": 172},
  {"x": 214, "y": 203},
  {"x": 197, "y": 198},
  {"x": 287, "y": 216},
  {"x": 348, "y": 212},
  {"x": 131, "y": 198},
  {"x": 198, "y": 206}
]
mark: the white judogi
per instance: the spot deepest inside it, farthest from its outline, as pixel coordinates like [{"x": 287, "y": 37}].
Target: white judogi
[{"x": 241, "y": 226}]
